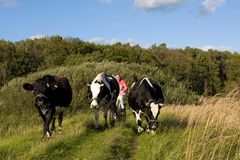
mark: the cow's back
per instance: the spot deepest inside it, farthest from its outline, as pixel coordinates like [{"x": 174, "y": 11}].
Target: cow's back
[
  {"x": 114, "y": 87},
  {"x": 143, "y": 91}
]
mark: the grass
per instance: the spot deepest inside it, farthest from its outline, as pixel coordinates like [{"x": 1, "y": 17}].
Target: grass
[{"x": 208, "y": 131}]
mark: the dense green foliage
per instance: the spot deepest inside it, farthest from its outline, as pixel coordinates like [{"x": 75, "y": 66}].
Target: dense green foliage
[{"x": 203, "y": 72}]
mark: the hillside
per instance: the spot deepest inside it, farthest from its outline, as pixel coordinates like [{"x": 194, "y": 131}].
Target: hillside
[{"x": 209, "y": 130}]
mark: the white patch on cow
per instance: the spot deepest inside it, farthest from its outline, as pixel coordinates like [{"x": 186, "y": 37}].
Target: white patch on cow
[
  {"x": 133, "y": 84},
  {"x": 48, "y": 134},
  {"x": 150, "y": 84},
  {"x": 95, "y": 89},
  {"x": 140, "y": 129},
  {"x": 94, "y": 104},
  {"x": 102, "y": 78},
  {"x": 60, "y": 109},
  {"x": 155, "y": 109},
  {"x": 148, "y": 130},
  {"x": 138, "y": 116},
  {"x": 161, "y": 104}
]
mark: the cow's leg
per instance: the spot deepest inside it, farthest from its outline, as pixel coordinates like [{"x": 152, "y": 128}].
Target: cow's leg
[
  {"x": 41, "y": 114},
  {"x": 46, "y": 130},
  {"x": 105, "y": 115},
  {"x": 96, "y": 112},
  {"x": 60, "y": 118},
  {"x": 53, "y": 124},
  {"x": 148, "y": 123},
  {"x": 138, "y": 120},
  {"x": 153, "y": 126},
  {"x": 116, "y": 114},
  {"x": 112, "y": 118}
]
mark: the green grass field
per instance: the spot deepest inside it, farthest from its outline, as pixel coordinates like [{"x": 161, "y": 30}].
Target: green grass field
[{"x": 184, "y": 132}]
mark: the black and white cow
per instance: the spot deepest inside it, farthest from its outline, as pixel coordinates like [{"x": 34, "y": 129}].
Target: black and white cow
[
  {"x": 146, "y": 98},
  {"x": 104, "y": 88},
  {"x": 52, "y": 96}
]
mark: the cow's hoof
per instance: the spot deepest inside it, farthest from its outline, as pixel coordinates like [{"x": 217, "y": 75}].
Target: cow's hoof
[
  {"x": 153, "y": 132},
  {"x": 48, "y": 135},
  {"x": 140, "y": 129}
]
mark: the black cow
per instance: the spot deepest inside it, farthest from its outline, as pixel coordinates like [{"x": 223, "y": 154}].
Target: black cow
[
  {"x": 104, "y": 88},
  {"x": 52, "y": 96},
  {"x": 146, "y": 98}
]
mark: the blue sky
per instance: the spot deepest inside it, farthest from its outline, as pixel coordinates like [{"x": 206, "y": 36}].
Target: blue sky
[{"x": 178, "y": 23}]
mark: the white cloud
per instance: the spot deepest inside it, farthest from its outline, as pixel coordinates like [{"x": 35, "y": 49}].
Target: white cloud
[
  {"x": 106, "y": 1},
  {"x": 114, "y": 41},
  {"x": 38, "y": 37},
  {"x": 97, "y": 40},
  {"x": 219, "y": 48},
  {"x": 210, "y": 6},
  {"x": 9, "y": 3},
  {"x": 102, "y": 41},
  {"x": 157, "y": 4}
]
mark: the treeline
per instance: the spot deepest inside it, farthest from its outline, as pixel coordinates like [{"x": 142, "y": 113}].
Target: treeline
[{"x": 205, "y": 73}]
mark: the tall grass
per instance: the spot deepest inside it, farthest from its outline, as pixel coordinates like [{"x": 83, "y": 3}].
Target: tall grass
[
  {"x": 208, "y": 131},
  {"x": 213, "y": 128}
]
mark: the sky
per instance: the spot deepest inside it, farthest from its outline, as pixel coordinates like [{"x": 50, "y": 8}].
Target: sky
[{"x": 202, "y": 24}]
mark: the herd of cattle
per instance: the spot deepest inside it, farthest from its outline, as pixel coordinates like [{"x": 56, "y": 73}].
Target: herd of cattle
[{"x": 54, "y": 94}]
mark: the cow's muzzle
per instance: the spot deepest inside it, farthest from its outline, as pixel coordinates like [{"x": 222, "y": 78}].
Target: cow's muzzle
[
  {"x": 41, "y": 100},
  {"x": 94, "y": 104}
]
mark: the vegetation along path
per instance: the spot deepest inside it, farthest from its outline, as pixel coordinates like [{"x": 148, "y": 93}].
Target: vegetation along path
[{"x": 180, "y": 135}]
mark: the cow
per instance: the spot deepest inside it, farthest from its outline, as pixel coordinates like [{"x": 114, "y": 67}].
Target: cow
[
  {"x": 104, "y": 88},
  {"x": 52, "y": 97},
  {"x": 146, "y": 98}
]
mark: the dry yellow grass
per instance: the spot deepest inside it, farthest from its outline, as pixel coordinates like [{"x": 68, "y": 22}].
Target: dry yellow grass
[{"x": 213, "y": 128}]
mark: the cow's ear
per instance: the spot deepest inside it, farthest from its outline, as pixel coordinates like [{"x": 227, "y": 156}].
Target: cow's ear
[
  {"x": 161, "y": 104},
  {"x": 28, "y": 86},
  {"x": 147, "y": 103}
]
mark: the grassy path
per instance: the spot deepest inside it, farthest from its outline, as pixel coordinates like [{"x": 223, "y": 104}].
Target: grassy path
[
  {"x": 175, "y": 140},
  {"x": 79, "y": 140},
  {"x": 166, "y": 143}
]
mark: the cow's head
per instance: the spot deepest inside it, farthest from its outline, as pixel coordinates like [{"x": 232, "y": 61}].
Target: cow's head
[
  {"x": 153, "y": 112},
  {"x": 42, "y": 89},
  {"x": 154, "y": 107},
  {"x": 95, "y": 87}
]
